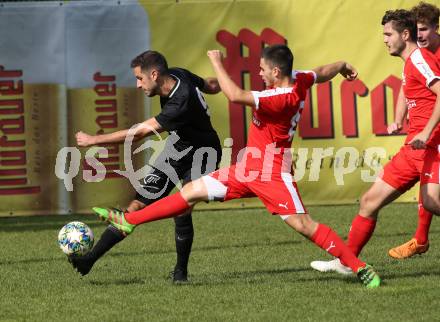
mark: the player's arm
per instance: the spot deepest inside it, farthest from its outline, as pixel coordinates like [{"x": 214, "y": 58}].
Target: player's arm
[
  {"x": 234, "y": 93},
  {"x": 399, "y": 118},
  {"x": 142, "y": 130},
  {"x": 419, "y": 141},
  {"x": 211, "y": 86},
  {"x": 327, "y": 72}
]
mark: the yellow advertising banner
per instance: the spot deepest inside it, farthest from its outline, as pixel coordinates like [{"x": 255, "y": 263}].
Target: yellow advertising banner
[
  {"x": 91, "y": 112},
  {"x": 65, "y": 69},
  {"x": 30, "y": 142},
  {"x": 102, "y": 97},
  {"x": 32, "y": 110}
]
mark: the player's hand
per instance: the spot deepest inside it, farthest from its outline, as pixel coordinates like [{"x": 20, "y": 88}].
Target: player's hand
[
  {"x": 419, "y": 141},
  {"x": 394, "y": 128},
  {"x": 215, "y": 56},
  {"x": 83, "y": 139},
  {"x": 349, "y": 72}
]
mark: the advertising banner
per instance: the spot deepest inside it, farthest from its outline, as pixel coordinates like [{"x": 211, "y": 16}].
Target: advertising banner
[
  {"x": 32, "y": 109},
  {"x": 65, "y": 67},
  {"x": 101, "y": 41}
]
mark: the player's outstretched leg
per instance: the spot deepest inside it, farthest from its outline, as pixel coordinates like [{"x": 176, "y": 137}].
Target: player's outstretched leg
[
  {"x": 184, "y": 235},
  {"x": 325, "y": 238},
  {"x": 360, "y": 233},
  {"x": 116, "y": 218},
  {"x": 328, "y": 240},
  {"x": 109, "y": 238}
]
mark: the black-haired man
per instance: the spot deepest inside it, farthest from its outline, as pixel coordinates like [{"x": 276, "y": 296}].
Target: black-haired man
[{"x": 185, "y": 113}]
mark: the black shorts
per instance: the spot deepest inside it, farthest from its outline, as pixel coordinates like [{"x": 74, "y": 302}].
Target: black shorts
[{"x": 164, "y": 176}]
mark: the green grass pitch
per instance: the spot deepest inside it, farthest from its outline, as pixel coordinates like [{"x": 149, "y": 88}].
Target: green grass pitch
[{"x": 246, "y": 266}]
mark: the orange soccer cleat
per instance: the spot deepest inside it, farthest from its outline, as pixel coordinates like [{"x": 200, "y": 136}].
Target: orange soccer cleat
[{"x": 408, "y": 249}]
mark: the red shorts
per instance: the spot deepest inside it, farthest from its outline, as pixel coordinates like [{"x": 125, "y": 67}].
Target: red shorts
[
  {"x": 277, "y": 191},
  {"x": 430, "y": 170},
  {"x": 409, "y": 166}
]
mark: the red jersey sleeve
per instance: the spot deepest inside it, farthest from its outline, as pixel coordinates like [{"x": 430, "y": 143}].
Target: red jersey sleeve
[
  {"x": 305, "y": 77},
  {"x": 427, "y": 65}
]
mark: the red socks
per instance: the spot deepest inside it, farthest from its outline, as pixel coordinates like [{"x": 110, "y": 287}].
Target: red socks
[
  {"x": 171, "y": 206},
  {"x": 360, "y": 232},
  {"x": 328, "y": 240},
  {"x": 425, "y": 218}
]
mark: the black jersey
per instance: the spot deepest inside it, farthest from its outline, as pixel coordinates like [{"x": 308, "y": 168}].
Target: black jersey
[{"x": 185, "y": 112}]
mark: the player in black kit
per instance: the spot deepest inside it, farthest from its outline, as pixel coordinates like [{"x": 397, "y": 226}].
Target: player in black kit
[{"x": 185, "y": 115}]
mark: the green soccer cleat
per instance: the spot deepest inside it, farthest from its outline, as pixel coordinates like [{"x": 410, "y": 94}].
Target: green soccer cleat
[
  {"x": 368, "y": 276},
  {"x": 115, "y": 218}
]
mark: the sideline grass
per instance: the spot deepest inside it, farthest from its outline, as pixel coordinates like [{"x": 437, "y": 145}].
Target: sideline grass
[{"x": 246, "y": 266}]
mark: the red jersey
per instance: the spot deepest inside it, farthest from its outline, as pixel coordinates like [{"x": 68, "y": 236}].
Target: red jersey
[
  {"x": 437, "y": 53},
  {"x": 274, "y": 120},
  {"x": 421, "y": 68}
]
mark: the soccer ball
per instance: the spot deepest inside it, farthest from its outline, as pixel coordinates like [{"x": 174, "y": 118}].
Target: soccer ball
[{"x": 75, "y": 239}]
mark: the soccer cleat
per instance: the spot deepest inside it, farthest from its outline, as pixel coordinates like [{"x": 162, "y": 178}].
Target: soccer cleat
[
  {"x": 368, "y": 276},
  {"x": 115, "y": 218},
  {"x": 82, "y": 264},
  {"x": 334, "y": 265},
  {"x": 179, "y": 276},
  {"x": 408, "y": 249}
]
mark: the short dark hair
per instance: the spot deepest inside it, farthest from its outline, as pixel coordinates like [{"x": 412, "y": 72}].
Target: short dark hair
[
  {"x": 426, "y": 13},
  {"x": 150, "y": 59},
  {"x": 279, "y": 56},
  {"x": 401, "y": 19}
]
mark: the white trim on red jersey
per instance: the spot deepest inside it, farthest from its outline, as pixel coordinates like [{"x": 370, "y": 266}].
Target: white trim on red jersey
[
  {"x": 280, "y": 90},
  {"x": 422, "y": 66},
  {"x": 295, "y": 119},
  {"x": 270, "y": 92}
]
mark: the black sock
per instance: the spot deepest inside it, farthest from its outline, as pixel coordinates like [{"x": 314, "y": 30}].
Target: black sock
[
  {"x": 184, "y": 235},
  {"x": 109, "y": 238}
]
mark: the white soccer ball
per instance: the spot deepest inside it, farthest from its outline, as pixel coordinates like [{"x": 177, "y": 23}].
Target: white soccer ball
[{"x": 75, "y": 239}]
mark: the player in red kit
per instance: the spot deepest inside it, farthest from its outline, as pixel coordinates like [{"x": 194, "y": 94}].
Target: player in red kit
[
  {"x": 418, "y": 159},
  {"x": 427, "y": 17},
  {"x": 264, "y": 169}
]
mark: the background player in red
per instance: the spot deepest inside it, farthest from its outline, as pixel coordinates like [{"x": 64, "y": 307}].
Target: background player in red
[
  {"x": 418, "y": 158},
  {"x": 427, "y": 17},
  {"x": 264, "y": 169}
]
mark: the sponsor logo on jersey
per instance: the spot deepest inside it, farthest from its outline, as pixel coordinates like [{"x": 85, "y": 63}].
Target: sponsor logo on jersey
[
  {"x": 256, "y": 121},
  {"x": 410, "y": 103}
]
